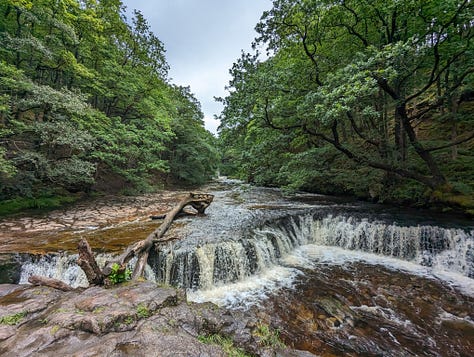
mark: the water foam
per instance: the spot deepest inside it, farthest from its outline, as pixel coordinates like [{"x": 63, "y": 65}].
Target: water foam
[{"x": 250, "y": 291}]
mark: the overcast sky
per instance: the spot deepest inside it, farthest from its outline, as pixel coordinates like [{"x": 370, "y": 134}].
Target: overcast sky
[{"x": 203, "y": 38}]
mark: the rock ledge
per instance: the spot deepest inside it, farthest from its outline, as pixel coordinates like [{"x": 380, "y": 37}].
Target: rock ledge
[{"x": 132, "y": 319}]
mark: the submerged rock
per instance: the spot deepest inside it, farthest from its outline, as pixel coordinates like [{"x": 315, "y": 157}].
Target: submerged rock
[{"x": 132, "y": 319}]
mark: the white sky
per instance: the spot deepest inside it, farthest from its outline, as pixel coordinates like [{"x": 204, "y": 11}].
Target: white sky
[{"x": 202, "y": 38}]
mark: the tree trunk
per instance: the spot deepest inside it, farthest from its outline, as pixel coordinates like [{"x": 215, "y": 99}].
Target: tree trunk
[
  {"x": 141, "y": 249},
  {"x": 400, "y": 139},
  {"x": 96, "y": 276},
  {"x": 53, "y": 283},
  {"x": 454, "y": 105},
  {"x": 88, "y": 263},
  {"x": 437, "y": 178}
]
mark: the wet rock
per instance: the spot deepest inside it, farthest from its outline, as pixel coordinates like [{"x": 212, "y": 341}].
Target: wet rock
[
  {"x": 27, "y": 302},
  {"x": 6, "y": 332},
  {"x": 10, "y": 269},
  {"x": 294, "y": 353},
  {"x": 99, "y": 311},
  {"x": 132, "y": 319},
  {"x": 6, "y": 289},
  {"x": 60, "y": 230}
]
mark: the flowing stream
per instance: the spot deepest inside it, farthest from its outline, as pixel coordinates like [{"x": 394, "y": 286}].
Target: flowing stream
[{"x": 334, "y": 277}]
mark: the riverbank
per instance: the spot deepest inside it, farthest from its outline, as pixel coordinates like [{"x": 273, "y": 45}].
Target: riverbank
[
  {"x": 131, "y": 319},
  {"x": 58, "y": 230},
  {"x": 339, "y": 268}
]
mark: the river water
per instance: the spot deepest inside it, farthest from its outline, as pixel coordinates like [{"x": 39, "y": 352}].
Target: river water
[{"x": 335, "y": 277}]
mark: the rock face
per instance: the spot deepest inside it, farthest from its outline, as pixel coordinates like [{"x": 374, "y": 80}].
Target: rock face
[
  {"x": 132, "y": 319},
  {"x": 10, "y": 269}
]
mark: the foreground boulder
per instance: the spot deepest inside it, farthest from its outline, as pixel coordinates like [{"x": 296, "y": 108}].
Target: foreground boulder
[{"x": 132, "y": 319}]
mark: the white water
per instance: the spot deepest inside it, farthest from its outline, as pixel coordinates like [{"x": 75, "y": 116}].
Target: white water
[
  {"x": 254, "y": 289},
  {"x": 64, "y": 267},
  {"x": 270, "y": 257},
  {"x": 430, "y": 251},
  {"x": 447, "y": 250}
]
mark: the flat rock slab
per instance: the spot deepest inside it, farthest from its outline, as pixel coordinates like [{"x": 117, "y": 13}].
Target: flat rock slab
[
  {"x": 131, "y": 319},
  {"x": 60, "y": 229}
]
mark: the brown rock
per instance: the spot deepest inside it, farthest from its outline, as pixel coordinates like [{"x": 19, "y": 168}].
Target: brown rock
[{"x": 133, "y": 319}]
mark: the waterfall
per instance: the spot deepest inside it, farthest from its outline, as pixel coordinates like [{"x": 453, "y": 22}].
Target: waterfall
[
  {"x": 64, "y": 267},
  {"x": 231, "y": 260},
  {"x": 227, "y": 259},
  {"x": 447, "y": 249},
  {"x": 58, "y": 266}
]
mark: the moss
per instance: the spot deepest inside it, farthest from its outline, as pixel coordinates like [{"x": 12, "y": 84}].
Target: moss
[
  {"x": 142, "y": 311},
  {"x": 42, "y": 203},
  {"x": 466, "y": 201},
  {"x": 268, "y": 337},
  {"x": 225, "y": 343},
  {"x": 54, "y": 329},
  {"x": 98, "y": 310},
  {"x": 129, "y": 320},
  {"x": 12, "y": 319}
]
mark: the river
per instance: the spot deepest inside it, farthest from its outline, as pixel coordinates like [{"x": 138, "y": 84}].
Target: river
[{"x": 336, "y": 277}]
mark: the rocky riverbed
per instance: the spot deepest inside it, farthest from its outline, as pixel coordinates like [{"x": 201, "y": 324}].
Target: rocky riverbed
[
  {"x": 331, "y": 277},
  {"x": 60, "y": 230},
  {"x": 131, "y": 319}
]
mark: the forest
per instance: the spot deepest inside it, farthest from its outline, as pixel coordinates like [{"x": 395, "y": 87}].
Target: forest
[
  {"x": 86, "y": 105},
  {"x": 372, "y": 99},
  {"x": 368, "y": 98}
]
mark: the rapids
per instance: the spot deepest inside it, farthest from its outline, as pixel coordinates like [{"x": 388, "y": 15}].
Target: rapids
[{"x": 336, "y": 277}]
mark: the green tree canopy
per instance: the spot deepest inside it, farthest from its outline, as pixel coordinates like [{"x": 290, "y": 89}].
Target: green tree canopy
[
  {"x": 378, "y": 85},
  {"x": 85, "y": 102}
]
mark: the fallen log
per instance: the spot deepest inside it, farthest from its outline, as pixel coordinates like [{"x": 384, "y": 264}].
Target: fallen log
[
  {"x": 87, "y": 262},
  {"x": 142, "y": 248},
  {"x": 183, "y": 213},
  {"x": 53, "y": 283}
]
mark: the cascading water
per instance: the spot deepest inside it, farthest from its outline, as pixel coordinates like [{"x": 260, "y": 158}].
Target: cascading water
[
  {"x": 58, "y": 266},
  {"x": 334, "y": 278},
  {"x": 223, "y": 261},
  {"x": 228, "y": 261},
  {"x": 447, "y": 249},
  {"x": 64, "y": 267}
]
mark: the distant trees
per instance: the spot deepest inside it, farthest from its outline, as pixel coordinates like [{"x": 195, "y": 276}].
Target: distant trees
[
  {"x": 351, "y": 86},
  {"x": 84, "y": 98}
]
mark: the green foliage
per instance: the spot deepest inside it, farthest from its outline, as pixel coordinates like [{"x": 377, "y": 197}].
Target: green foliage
[
  {"x": 7, "y": 169},
  {"x": 193, "y": 157},
  {"x": 225, "y": 343},
  {"x": 119, "y": 275},
  {"x": 38, "y": 203},
  {"x": 354, "y": 97},
  {"x": 84, "y": 101},
  {"x": 12, "y": 319},
  {"x": 267, "y": 336},
  {"x": 142, "y": 311}
]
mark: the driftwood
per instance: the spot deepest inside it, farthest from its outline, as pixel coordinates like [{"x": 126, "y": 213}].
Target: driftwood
[
  {"x": 140, "y": 249},
  {"x": 53, "y": 283},
  {"x": 183, "y": 213},
  {"x": 88, "y": 263}
]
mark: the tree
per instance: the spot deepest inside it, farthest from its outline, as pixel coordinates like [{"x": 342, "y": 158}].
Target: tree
[
  {"x": 85, "y": 102},
  {"x": 193, "y": 157},
  {"x": 361, "y": 76}
]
